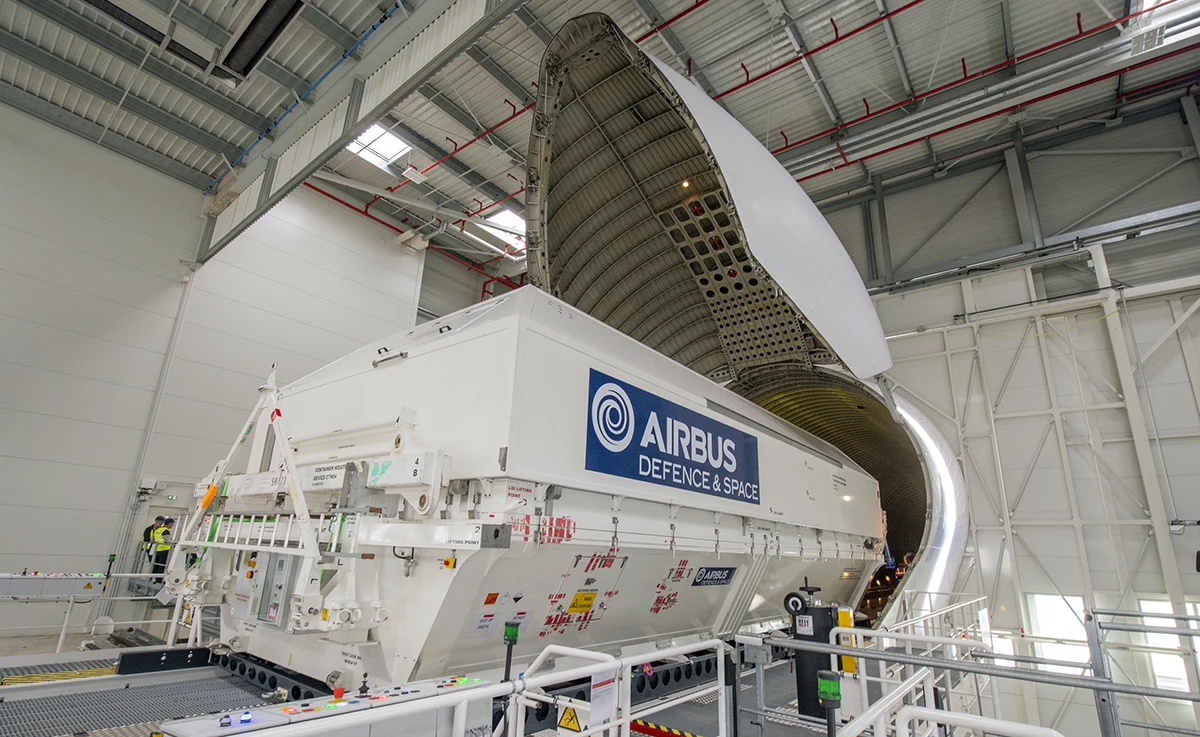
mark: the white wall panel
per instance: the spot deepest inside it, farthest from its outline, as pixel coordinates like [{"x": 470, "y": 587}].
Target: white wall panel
[
  {"x": 91, "y": 246},
  {"x": 306, "y": 284},
  {"x": 1031, "y": 398},
  {"x": 447, "y": 286},
  {"x": 1070, "y": 187}
]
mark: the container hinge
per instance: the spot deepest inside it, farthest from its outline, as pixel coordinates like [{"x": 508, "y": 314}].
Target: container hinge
[{"x": 672, "y": 537}]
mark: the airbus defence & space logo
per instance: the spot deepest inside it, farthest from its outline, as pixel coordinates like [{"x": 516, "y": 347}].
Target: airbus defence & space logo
[
  {"x": 635, "y": 434},
  {"x": 714, "y": 576},
  {"x": 612, "y": 417}
]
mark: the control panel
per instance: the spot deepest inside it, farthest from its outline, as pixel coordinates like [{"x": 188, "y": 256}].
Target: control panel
[{"x": 430, "y": 724}]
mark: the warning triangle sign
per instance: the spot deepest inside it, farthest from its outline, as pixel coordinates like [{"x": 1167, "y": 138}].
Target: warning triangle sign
[
  {"x": 87, "y": 585},
  {"x": 570, "y": 720}
]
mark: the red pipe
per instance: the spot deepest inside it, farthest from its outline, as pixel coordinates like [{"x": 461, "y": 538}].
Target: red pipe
[
  {"x": 949, "y": 85},
  {"x": 362, "y": 211},
  {"x": 495, "y": 202},
  {"x": 695, "y": 6},
  {"x": 837, "y": 39},
  {"x": 1004, "y": 111},
  {"x": 502, "y": 279},
  {"x": 1124, "y": 96},
  {"x": 517, "y": 113}
]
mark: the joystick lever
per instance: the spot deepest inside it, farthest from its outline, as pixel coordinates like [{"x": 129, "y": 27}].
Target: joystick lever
[{"x": 362, "y": 690}]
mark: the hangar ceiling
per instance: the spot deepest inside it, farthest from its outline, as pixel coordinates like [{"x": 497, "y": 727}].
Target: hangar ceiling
[{"x": 853, "y": 97}]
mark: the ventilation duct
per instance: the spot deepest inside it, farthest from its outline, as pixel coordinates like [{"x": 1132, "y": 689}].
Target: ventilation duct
[{"x": 262, "y": 23}]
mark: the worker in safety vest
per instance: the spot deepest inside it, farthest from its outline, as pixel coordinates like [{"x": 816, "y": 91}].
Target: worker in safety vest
[
  {"x": 148, "y": 537},
  {"x": 162, "y": 547}
]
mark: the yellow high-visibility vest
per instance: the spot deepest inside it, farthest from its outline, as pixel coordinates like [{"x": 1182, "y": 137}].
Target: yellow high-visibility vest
[{"x": 160, "y": 542}]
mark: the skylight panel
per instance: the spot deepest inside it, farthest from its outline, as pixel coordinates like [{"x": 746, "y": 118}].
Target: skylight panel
[{"x": 379, "y": 146}]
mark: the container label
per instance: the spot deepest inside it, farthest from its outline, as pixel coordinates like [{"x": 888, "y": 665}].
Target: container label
[
  {"x": 714, "y": 576},
  {"x": 638, "y": 435}
]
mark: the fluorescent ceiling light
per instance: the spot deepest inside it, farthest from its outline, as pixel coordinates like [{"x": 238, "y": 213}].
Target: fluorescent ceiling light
[{"x": 378, "y": 146}]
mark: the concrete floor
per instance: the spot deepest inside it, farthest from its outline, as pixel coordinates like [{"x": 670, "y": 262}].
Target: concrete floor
[{"x": 39, "y": 644}]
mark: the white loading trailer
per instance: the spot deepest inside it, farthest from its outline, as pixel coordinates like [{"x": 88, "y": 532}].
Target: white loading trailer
[{"x": 514, "y": 461}]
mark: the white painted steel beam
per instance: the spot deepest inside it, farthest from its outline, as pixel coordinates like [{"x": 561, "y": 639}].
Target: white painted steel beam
[
  {"x": 109, "y": 92},
  {"x": 131, "y": 53},
  {"x": 403, "y": 60}
]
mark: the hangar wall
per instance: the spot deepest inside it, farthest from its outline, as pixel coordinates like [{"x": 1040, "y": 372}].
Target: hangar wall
[{"x": 92, "y": 274}]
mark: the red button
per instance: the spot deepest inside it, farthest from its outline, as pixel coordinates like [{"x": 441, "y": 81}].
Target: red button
[{"x": 339, "y": 692}]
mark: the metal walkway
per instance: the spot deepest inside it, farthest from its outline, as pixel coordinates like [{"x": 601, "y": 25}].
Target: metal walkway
[{"x": 121, "y": 708}]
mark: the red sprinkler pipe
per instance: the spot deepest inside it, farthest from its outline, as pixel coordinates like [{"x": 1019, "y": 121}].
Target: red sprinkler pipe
[
  {"x": 1120, "y": 102},
  {"x": 949, "y": 85},
  {"x": 816, "y": 49},
  {"x": 502, "y": 279},
  {"x": 517, "y": 113},
  {"x": 695, "y": 6},
  {"x": 1004, "y": 111}
]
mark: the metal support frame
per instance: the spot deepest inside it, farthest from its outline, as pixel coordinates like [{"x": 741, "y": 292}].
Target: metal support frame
[
  {"x": 884, "y": 241},
  {"x": 109, "y": 92},
  {"x": 452, "y": 164},
  {"x": 531, "y": 22},
  {"x": 320, "y": 22},
  {"x": 129, "y": 52},
  {"x": 469, "y": 122},
  {"x": 894, "y": 44},
  {"x": 1017, "y": 164},
  {"x": 792, "y": 29},
  {"x": 523, "y": 93},
  {"x": 651, "y": 15}
]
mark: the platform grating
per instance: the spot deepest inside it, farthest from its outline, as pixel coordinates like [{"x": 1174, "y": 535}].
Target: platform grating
[{"x": 107, "y": 712}]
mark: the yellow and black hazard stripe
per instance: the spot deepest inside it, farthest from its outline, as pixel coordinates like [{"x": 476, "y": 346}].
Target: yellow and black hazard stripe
[{"x": 657, "y": 730}]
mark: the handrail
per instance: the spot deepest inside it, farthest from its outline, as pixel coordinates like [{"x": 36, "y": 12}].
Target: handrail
[
  {"x": 316, "y": 727},
  {"x": 963, "y": 642},
  {"x": 960, "y": 719},
  {"x": 1020, "y": 674},
  {"x": 883, "y": 706}
]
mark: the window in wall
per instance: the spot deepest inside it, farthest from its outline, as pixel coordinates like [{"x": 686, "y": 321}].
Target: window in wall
[
  {"x": 378, "y": 146},
  {"x": 1169, "y": 670},
  {"x": 1059, "y": 617}
]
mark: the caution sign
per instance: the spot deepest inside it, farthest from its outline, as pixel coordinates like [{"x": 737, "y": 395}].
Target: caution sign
[
  {"x": 87, "y": 585},
  {"x": 570, "y": 720},
  {"x": 582, "y": 602}
]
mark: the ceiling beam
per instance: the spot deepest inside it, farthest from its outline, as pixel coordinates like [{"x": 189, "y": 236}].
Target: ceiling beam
[
  {"x": 651, "y": 15},
  {"x": 323, "y": 24},
  {"x": 461, "y": 116},
  {"x": 526, "y": 16},
  {"x": 452, "y": 164},
  {"x": 127, "y": 51},
  {"x": 894, "y": 43},
  {"x": 848, "y": 195},
  {"x": 779, "y": 15},
  {"x": 110, "y": 92},
  {"x": 53, "y": 114},
  {"x": 1010, "y": 49},
  {"x": 523, "y": 93},
  {"x": 210, "y": 31}
]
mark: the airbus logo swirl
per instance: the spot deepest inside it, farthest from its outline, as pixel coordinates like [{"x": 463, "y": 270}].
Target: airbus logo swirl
[{"x": 612, "y": 417}]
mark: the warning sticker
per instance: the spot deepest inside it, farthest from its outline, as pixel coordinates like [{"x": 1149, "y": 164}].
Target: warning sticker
[
  {"x": 570, "y": 720},
  {"x": 491, "y": 598},
  {"x": 582, "y": 601},
  {"x": 482, "y": 625},
  {"x": 88, "y": 585}
]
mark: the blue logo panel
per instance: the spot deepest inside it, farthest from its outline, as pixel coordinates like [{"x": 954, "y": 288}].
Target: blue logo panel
[
  {"x": 714, "y": 576},
  {"x": 638, "y": 435}
]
